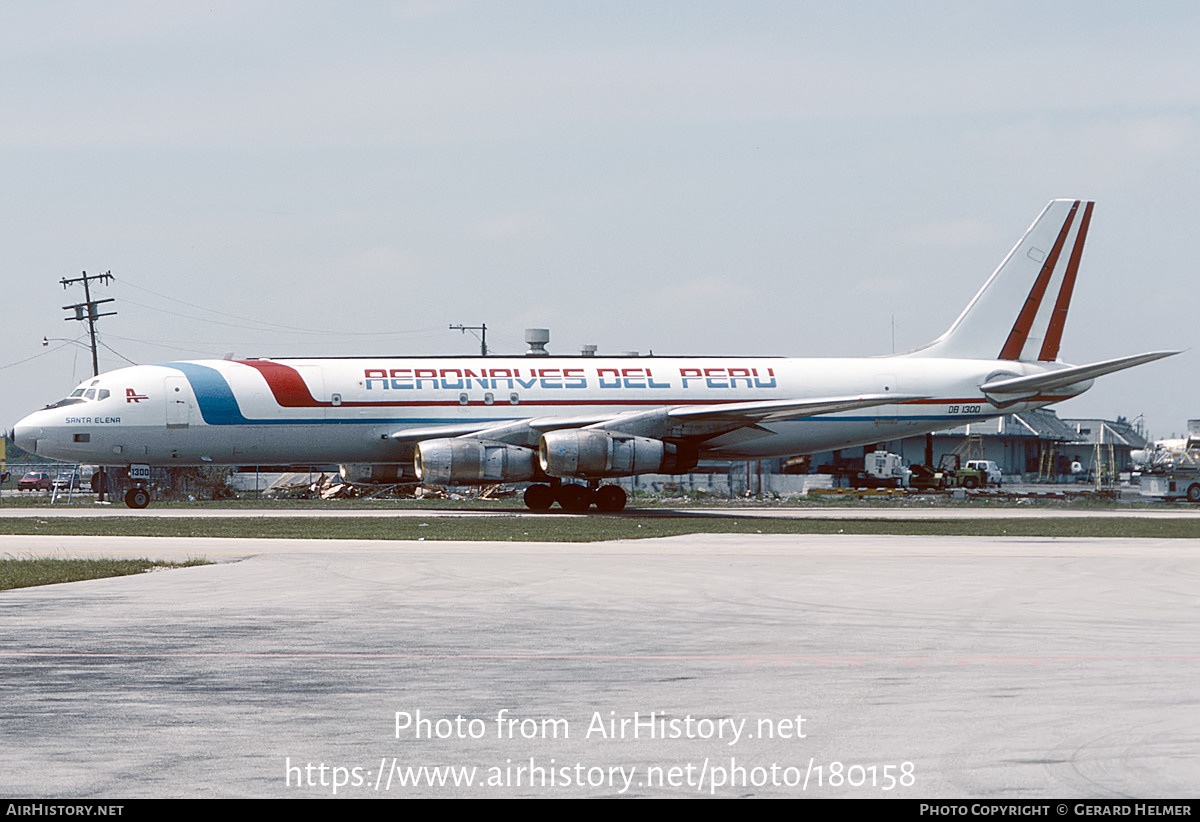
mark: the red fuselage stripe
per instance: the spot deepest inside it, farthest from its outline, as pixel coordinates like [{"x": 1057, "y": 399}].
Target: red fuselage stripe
[{"x": 286, "y": 384}]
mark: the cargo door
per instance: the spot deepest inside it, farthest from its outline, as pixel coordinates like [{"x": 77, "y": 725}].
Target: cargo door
[
  {"x": 179, "y": 402},
  {"x": 885, "y": 414},
  {"x": 314, "y": 384}
]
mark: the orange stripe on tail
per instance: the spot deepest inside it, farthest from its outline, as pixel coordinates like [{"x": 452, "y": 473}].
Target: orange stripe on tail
[
  {"x": 1020, "y": 330},
  {"x": 1058, "y": 319}
]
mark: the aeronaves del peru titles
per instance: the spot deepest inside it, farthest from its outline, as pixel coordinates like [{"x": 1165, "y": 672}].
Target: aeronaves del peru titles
[{"x": 566, "y": 424}]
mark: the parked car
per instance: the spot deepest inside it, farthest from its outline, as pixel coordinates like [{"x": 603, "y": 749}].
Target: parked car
[
  {"x": 35, "y": 481},
  {"x": 68, "y": 480}
]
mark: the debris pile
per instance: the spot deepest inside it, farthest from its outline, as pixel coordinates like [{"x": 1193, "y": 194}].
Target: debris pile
[{"x": 333, "y": 486}]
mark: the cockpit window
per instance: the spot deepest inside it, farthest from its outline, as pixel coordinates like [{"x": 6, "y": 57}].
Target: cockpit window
[{"x": 83, "y": 394}]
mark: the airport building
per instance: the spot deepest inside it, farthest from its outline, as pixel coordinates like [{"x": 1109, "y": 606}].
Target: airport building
[{"x": 1032, "y": 445}]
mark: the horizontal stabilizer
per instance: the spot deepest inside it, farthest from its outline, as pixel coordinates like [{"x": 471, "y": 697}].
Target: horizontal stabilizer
[{"x": 1060, "y": 378}]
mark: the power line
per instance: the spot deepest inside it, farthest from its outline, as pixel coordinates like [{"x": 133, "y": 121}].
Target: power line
[
  {"x": 39, "y": 354},
  {"x": 86, "y": 310},
  {"x": 248, "y": 323},
  {"x": 473, "y": 328}
]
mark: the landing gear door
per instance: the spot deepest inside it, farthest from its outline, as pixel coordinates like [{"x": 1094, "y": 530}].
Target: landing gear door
[{"x": 179, "y": 402}]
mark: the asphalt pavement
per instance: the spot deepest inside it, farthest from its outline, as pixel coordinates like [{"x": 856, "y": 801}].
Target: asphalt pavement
[{"x": 730, "y": 665}]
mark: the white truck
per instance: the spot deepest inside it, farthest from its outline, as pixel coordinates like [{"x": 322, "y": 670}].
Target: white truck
[
  {"x": 882, "y": 469},
  {"x": 989, "y": 470},
  {"x": 1172, "y": 468}
]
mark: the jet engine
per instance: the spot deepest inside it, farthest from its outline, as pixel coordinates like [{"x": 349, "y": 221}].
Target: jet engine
[
  {"x": 589, "y": 454},
  {"x": 471, "y": 461},
  {"x": 374, "y": 473}
]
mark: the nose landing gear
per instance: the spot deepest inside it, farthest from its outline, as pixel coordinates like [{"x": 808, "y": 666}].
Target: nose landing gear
[{"x": 137, "y": 497}]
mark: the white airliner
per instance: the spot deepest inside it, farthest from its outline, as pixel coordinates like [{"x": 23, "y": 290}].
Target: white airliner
[{"x": 566, "y": 423}]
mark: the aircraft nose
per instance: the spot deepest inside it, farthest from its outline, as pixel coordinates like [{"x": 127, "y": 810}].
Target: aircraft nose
[{"x": 26, "y": 436}]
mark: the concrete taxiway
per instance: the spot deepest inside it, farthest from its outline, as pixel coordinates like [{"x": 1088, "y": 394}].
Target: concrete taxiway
[
  {"x": 760, "y": 665},
  {"x": 517, "y": 510}
]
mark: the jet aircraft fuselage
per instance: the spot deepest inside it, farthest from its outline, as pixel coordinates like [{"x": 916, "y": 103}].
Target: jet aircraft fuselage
[
  {"x": 567, "y": 423},
  {"x": 357, "y": 410}
]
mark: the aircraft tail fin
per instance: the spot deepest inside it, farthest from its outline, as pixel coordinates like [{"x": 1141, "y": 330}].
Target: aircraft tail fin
[{"x": 1021, "y": 311}]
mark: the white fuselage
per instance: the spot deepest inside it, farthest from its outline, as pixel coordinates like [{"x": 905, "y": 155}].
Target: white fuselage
[{"x": 311, "y": 411}]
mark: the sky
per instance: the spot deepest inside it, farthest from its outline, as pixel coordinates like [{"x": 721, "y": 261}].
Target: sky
[{"x": 786, "y": 178}]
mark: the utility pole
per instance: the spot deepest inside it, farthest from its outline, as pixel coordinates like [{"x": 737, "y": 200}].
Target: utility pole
[
  {"x": 86, "y": 310},
  {"x": 482, "y": 339}
]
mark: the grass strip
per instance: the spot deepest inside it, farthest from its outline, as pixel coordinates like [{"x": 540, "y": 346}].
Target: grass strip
[
  {"x": 20, "y": 572},
  {"x": 590, "y": 528}
]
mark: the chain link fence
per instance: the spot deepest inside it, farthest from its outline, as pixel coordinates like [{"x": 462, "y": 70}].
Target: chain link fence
[{"x": 67, "y": 482}]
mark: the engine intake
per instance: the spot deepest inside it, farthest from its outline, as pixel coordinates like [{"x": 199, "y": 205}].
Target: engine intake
[
  {"x": 471, "y": 461},
  {"x": 594, "y": 454}
]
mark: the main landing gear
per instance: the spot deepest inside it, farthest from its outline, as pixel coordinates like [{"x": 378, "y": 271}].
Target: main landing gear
[{"x": 576, "y": 499}]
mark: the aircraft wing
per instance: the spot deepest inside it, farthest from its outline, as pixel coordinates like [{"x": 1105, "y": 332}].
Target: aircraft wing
[
  {"x": 667, "y": 421},
  {"x": 781, "y": 410},
  {"x": 506, "y": 431},
  {"x": 1017, "y": 387},
  {"x": 464, "y": 429}
]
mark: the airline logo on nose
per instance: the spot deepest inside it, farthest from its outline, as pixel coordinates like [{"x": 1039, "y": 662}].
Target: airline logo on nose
[{"x": 133, "y": 396}]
